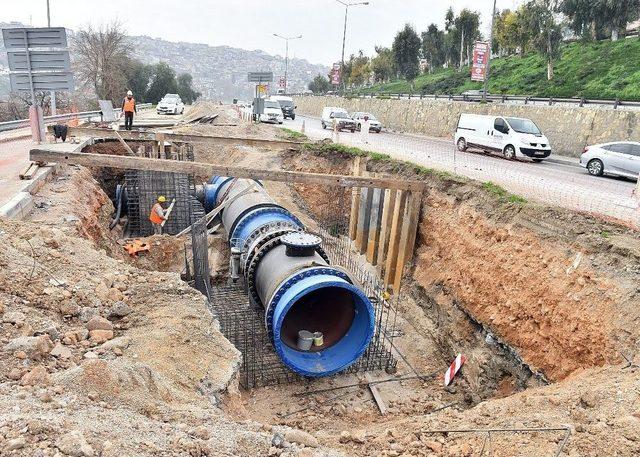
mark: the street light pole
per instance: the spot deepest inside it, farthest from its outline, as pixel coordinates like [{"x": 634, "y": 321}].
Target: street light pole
[
  {"x": 486, "y": 75},
  {"x": 286, "y": 59},
  {"x": 344, "y": 33}
]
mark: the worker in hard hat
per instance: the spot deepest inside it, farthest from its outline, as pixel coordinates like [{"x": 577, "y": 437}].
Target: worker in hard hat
[
  {"x": 128, "y": 108},
  {"x": 157, "y": 216}
]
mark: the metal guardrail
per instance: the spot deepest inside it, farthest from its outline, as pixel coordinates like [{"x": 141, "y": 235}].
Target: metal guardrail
[
  {"x": 580, "y": 102},
  {"x": 20, "y": 123}
]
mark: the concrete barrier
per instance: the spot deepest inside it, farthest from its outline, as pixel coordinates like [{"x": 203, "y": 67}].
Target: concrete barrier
[{"x": 569, "y": 129}]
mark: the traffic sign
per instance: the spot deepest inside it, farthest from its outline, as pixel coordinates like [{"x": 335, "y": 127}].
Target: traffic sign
[
  {"x": 260, "y": 77},
  {"x": 42, "y": 81},
  {"x": 39, "y": 60},
  {"x": 23, "y": 38}
]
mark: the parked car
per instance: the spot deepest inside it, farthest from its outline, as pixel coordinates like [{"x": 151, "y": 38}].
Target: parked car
[
  {"x": 272, "y": 112},
  {"x": 340, "y": 116},
  {"x": 620, "y": 158},
  {"x": 375, "y": 124},
  {"x": 513, "y": 137},
  {"x": 170, "y": 104},
  {"x": 287, "y": 105},
  {"x": 475, "y": 92}
]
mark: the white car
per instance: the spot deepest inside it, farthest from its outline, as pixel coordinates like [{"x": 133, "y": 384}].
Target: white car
[
  {"x": 513, "y": 137},
  {"x": 272, "y": 112},
  {"x": 374, "y": 124},
  {"x": 170, "y": 104},
  {"x": 620, "y": 158},
  {"x": 331, "y": 114}
]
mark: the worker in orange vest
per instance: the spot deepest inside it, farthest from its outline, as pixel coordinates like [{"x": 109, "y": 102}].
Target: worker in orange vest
[
  {"x": 157, "y": 215},
  {"x": 128, "y": 108}
]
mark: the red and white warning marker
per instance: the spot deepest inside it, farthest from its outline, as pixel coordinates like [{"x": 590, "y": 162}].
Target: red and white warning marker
[{"x": 454, "y": 368}]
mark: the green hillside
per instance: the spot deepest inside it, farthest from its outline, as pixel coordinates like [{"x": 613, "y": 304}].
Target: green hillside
[{"x": 603, "y": 70}]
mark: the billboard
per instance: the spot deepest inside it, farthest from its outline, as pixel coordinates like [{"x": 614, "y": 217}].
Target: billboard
[
  {"x": 481, "y": 54},
  {"x": 335, "y": 74},
  {"x": 282, "y": 82}
]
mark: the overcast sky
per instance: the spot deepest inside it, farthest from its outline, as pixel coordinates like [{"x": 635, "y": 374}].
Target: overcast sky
[{"x": 250, "y": 24}]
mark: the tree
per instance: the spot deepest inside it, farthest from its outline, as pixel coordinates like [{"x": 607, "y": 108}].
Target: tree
[
  {"x": 406, "y": 52},
  {"x": 467, "y": 28},
  {"x": 138, "y": 78},
  {"x": 433, "y": 46},
  {"x": 382, "y": 65},
  {"x": 616, "y": 14},
  {"x": 547, "y": 34},
  {"x": 319, "y": 85},
  {"x": 100, "y": 55},
  {"x": 185, "y": 89},
  {"x": 359, "y": 69},
  {"x": 512, "y": 33},
  {"x": 163, "y": 81},
  {"x": 597, "y": 19}
]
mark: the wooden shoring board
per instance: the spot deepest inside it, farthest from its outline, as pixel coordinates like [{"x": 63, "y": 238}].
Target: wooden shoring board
[
  {"x": 358, "y": 166},
  {"x": 364, "y": 219},
  {"x": 407, "y": 237},
  {"x": 373, "y": 241},
  {"x": 208, "y": 169},
  {"x": 394, "y": 238},
  {"x": 376, "y": 394},
  {"x": 385, "y": 227}
]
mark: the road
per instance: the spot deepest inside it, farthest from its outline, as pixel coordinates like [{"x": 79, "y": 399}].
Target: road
[{"x": 561, "y": 182}]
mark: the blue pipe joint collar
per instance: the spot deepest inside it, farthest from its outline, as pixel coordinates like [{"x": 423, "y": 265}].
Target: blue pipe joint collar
[
  {"x": 211, "y": 191},
  {"x": 344, "y": 352},
  {"x": 256, "y": 219}
]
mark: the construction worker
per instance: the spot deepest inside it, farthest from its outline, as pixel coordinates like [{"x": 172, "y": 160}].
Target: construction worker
[
  {"x": 128, "y": 108},
  {"x": 157, "y": 216}
]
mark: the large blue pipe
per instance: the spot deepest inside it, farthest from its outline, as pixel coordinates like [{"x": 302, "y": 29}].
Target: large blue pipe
[{"x": 288, "y": 273}]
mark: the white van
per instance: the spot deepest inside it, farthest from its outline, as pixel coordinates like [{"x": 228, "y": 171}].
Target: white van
[{"x": 513, "y": 137}]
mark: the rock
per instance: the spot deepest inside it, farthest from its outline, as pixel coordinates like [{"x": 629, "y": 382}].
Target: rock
[
  {"x": 38, "y": 376},
  {"x": 121, "y": 342},
  {"x": 90, "y": 355},
  {"x": 393, "y": 453},
  {"x": 99, "y": 323},
  {"x": 35, "y": 347},
  {"x": 102, "y": 291},
  {"x": 74, "y": 444},
  {"x": 277, "y": 440},
  {"x": 13, "y": 317},
  {"x": 70, "y": 308},
  {"x": 49, "y": 328},
  {"x": 118, "y": 310},
  {"x": 301, "y": 437},
  {"x": 61, "y": 352},
  {"x": 45, "y": 397},
  {"x": 15, "y": 444},
  {"x": 345, "y": 436},
  {"x": 15, "y": 374},
  {"x": 434, "y": 446},
  {"x": 86, "y": 313},
  {"x": 100, "y": 336}
]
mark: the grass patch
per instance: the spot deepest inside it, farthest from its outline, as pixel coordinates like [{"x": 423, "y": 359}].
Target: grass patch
[
  {"x": 605, "y": 234},
  {"x": 501, "y": 193},
  {"x": 293, "y": 135},
  {"x": 333, "y": 148},
  {"x": 602, "y": 70}
]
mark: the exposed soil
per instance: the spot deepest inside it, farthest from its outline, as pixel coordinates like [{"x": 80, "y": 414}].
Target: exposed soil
[{"x": 103, "y": 354}]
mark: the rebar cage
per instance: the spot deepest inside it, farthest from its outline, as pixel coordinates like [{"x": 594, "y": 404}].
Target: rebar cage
[{"x": 242, "y": 322}]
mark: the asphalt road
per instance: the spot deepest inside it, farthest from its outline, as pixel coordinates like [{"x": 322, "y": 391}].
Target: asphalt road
[{"x": 559, "y": 182}]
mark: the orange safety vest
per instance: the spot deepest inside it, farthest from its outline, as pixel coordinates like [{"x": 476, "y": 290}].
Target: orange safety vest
[
  {"x": 154, "y": 217},
  {"x": 129, "y": 104}
]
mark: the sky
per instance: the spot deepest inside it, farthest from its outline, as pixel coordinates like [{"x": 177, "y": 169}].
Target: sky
[{"x": 250, "y": 24}]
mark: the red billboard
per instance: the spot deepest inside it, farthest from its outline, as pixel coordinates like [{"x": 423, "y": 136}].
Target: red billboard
[
  {"x": 481, "y": 53},
  {"x": 335, "y": 74}
]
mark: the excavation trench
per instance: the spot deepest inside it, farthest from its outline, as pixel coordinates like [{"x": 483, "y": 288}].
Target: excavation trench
[{"x": 513, "y": 299}]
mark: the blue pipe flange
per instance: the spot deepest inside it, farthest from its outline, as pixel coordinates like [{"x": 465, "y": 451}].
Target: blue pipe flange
[
  {"x": 258, "y": 217},
  {"x": 264, "y": 233},
  {"x": 347, "y": 349}
]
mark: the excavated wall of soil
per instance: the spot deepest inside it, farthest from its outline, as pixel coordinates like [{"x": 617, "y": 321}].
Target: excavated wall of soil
[{"x": 557, "y": 287}]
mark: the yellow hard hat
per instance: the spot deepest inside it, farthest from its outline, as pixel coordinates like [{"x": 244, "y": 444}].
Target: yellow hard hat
[{"x": 162, "y": 199}]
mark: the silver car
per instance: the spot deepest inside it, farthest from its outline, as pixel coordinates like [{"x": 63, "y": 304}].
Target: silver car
[
  {"x": 621, "y": 158},
  {"x": 374, "y": 124}
]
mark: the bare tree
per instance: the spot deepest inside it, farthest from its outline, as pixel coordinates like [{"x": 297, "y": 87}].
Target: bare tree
[{"x": 100, "y": 54}]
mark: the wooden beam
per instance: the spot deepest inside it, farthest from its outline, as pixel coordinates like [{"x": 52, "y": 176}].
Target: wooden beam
[
  {"x": 374, "y": 226},
  {"x": 376, "y": 394},
  {"x": 133, "y": 135},
  {"x": 407, "y": 237},
  {"x": 124, "y": 143},
  {"x": 358, "y": 168},
  {"x": 394, "y": 238},
  {"x": 207, "y": 169}
]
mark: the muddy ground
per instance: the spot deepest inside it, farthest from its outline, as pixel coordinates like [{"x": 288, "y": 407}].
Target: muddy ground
[{"x": 103, "y": 354}]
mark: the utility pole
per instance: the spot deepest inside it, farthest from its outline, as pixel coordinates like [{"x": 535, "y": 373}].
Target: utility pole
[
  {"x": 53, "y": 92},
  {"x": 344, "y": 34},
  {"x": 286, "y": 59},
  {"x": 486, "y": 75}
]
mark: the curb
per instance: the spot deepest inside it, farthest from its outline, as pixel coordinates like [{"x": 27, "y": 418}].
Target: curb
[{"x": 567, "y": 162}]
